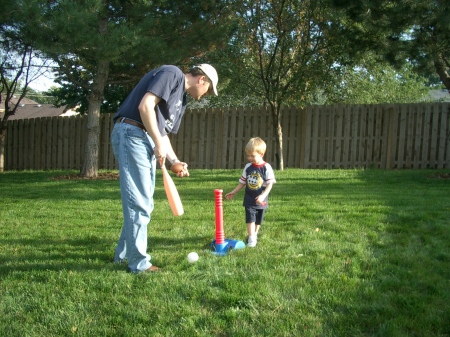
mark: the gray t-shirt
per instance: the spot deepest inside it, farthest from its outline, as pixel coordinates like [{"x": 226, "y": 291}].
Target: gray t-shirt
[{"x": 168, "y": 83}]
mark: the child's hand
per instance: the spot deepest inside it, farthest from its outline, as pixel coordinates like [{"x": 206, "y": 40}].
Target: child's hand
[
  {"x": 260, "y": 200},
  {"x": 230, "y": 195}
]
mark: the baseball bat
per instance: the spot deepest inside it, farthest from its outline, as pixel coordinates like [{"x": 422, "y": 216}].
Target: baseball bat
[{"x": 172, "y": 194}]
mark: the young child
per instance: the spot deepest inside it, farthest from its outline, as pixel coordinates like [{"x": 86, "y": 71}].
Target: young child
[{"x": 257, "y": 178}]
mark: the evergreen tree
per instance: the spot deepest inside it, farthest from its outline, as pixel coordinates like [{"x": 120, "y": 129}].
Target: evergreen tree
[
  {"x": 412, "y": 31},
  {"x": 97, "y": 43}
]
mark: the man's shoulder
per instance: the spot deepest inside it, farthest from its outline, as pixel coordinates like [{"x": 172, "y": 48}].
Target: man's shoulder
[{"x": 170, "y": 69}]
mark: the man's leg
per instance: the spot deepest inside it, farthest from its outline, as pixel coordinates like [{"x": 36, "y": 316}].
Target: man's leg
[{"x": 134, "y": 152}]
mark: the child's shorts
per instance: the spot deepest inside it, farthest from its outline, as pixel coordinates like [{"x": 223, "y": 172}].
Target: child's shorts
[{"x": 254, "y": 215}]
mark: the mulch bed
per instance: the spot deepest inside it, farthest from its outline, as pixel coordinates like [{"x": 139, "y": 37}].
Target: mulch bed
[
  {"x": 101, "y": 176},
  {"x": 440, "y": 175}
]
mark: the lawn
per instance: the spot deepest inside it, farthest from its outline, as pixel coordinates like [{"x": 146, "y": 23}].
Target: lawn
[{"x": 341, "y": 253}]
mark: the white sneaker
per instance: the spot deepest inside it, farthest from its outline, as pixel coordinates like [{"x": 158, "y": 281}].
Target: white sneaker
[{"x": 252, "y": 240}]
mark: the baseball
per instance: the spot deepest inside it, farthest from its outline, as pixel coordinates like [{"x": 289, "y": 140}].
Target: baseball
[
  {"x": 176, "y": 167},
  {"x": 192, "y": 257}
]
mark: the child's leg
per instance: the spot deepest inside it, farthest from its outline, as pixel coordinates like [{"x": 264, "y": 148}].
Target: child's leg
[
  {"x": 251, "y": 229},
  {"x": 250, "y": 218},
  {"x": 259, "y": 220},
  {"x": 252, "y": 237},
  {"x": 257, "y": 226}
]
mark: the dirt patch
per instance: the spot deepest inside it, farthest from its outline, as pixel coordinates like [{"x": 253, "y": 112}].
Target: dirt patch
[
  {"x": 440, "y": 175},
  {"x": 101, "y": 176}
]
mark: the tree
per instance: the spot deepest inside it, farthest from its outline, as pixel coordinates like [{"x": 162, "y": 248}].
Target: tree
[
  {"x": 97, "y": 42},
  {"x": 416, "y": 32},
  {"x": 18, "y": 68},
  {"x": 373, "y": 82},
  {"x": 282, "y": 51}
]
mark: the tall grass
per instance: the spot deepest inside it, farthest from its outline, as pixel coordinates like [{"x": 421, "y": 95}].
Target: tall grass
[{"x": 341, "y": 253}]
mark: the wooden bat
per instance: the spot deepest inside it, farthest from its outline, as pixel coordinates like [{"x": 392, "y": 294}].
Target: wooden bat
[{"x": 171, "y": 192}]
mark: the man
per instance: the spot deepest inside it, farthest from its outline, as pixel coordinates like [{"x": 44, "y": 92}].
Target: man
[{"x": 152, "y": 110}]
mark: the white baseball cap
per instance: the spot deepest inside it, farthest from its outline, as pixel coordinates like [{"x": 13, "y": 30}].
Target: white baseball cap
[{"x": 211, "y": 73}]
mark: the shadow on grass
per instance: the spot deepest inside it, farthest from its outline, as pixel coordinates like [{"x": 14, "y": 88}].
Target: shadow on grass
[
  {"x": 81, "y": 254},
  {"x": 403, "y": 284}
]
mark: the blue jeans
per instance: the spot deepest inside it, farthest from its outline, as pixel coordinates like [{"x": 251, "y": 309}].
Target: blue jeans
[{"x": 133, "y": 149}]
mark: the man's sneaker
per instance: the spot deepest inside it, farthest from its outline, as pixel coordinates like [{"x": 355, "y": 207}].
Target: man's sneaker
[{"x": 252, "y": 240}]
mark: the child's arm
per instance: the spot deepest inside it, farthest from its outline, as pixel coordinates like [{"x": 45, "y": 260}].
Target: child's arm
[
  {"x": 260, "y": 199},
  {"x": 230, "y": 195}
]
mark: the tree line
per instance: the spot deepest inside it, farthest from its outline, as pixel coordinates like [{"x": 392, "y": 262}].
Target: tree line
[{"x": 267, "y": 52}]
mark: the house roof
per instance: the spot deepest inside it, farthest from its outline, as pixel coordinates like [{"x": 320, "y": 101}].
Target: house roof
[
  {"x": 30, "y": 109},
  {"x": 24, "y": 100},
  {"x": 26, "y": 111},
  {"x": 442, "y": 95}
]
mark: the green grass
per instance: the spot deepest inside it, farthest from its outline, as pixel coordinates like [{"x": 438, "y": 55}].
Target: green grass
[{"x": 341, "y": 253}]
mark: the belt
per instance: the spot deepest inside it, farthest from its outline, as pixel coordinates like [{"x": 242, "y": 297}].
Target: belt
[{"x": 131, "y": 122}]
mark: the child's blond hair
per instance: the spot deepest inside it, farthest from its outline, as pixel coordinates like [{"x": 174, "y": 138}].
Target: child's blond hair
[{"x": 257, "y": 145}]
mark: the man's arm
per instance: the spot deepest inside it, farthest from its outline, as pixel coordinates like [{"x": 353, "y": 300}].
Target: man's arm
[
  {"x": 172, "y": 157},
  {"x": 147, "y": 110},
  {"x": 163, "y": 147}
]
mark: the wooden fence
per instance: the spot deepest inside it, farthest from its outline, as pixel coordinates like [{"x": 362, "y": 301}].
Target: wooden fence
[{"x": 340, "y": 136}]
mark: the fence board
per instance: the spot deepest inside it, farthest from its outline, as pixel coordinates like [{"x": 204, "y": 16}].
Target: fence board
[
  {"x": 71, "y": 149},
  {"x": 401, "y": 137},
  {"x": 29, "y": 144},
  {"x": 303, "y": 140},
  {"x": 345, "y": 137},
  {"x": 311, "y": 138},
  {"x": 59, "y": 143},
  {"x": 417, "y": 136},
  {"x": 339, "y": 147},
  {"x": 409, "y": 138},
  {"x": 24, "y": 146},
  {"x": 442, "y": 138},
  {"x": 208, "y": 163},
  {"x": 54, "y": 143},
  {"x": 379, "y": 134},
  {"x": 360, "y": 137},
  {"x": 338, "y": 136},
  {"x": 426, "y": 137},
  {"x": 299, "y": 138},
  {"x": 328, "y": 139},
  {"x": 434, "y": 139},
  {"x": 231, "y": 153},
  {"x": 290, "y": 138},
  {"x": 371, "y": 129},
  {"x": 447, "y": 137}
]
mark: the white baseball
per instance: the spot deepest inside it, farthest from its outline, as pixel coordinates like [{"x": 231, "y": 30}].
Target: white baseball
[{"x": 192, "y": 257}]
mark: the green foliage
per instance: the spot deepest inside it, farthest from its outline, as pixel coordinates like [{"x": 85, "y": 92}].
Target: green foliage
[
  {"x": 402, "y": 31},
  {"x": 341, "y": 253},
  {"x": 290, "y": 52},
  {"x": 376, "y": 83},
  {"x": 41, "y": 97},
  {"x": 131, "y": 37},
  {"x": 280, "y": 51},
  {"x": 75, "y": 97}
]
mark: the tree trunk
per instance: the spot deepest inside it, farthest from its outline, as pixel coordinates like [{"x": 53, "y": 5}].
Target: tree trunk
[
  {"x": 279, "y": 142},
  {"x": 276, "y": 117},
  {"x": 280, "y": 145},
  {"x": 441, "y": 70},
  {"x": 91, "y": 146},
  {"x": 2, "y": 148},
  {"x": 90, "y": 160}
]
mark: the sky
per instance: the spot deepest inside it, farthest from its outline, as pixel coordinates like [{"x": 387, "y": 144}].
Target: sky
[{"x": 43, "y": 83}]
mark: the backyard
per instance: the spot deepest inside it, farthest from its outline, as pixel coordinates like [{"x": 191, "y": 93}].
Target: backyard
[{"x": 341, "y": 253}]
